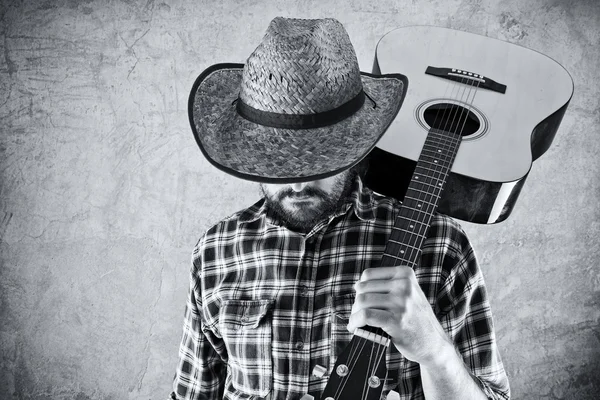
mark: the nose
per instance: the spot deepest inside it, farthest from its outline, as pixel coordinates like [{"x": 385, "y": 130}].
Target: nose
[{"x": 297, "y": 187}]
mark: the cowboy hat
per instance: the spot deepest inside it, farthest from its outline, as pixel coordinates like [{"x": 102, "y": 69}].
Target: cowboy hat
[{"x": 298, "y": 110}]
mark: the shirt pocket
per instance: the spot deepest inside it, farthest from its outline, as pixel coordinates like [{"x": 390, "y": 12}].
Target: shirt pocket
[
  {"x": 246, "y": 328},
  {"x": 341, "y": 308}
]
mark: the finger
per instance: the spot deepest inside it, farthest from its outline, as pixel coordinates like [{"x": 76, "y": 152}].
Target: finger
[
  {"x": 400, "y": 271},
  {"x": 378, "y": 301},
  {"x": 371, "y": 317},
  {"x": 397, "y": 285}
]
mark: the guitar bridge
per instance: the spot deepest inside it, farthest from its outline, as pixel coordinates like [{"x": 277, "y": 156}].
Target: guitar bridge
[{"x": 459, "y": 75}]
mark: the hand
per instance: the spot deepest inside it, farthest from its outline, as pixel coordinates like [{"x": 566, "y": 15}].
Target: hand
[{"x": 390, "y": 298}]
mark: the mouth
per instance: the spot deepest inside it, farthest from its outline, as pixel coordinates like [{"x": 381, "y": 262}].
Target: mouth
[{"x": 303, "y": 199}]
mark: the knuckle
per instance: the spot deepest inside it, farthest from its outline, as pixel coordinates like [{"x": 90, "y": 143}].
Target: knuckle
[
  {"x": 358, "y": 286},
  {"x": 366, "y": 275}
]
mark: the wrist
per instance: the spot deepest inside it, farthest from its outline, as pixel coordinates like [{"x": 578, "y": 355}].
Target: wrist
[{"x": 444, "y": 356}]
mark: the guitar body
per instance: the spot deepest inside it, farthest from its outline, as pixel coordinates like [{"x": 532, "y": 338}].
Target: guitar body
[{"x": 509, "y": 130}]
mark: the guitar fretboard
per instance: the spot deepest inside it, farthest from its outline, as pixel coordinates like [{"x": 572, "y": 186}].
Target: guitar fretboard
[{"x": 421, "y": 198}]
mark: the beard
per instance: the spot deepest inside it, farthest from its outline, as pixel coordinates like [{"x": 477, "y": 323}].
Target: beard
[{"x": 305, "y": 218}]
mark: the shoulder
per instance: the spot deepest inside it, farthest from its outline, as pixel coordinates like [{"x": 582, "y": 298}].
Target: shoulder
[
  {"x": 447, "y": 237},
  {"x": 443, "y": 226},
  {"x": 227, "y": 229}
]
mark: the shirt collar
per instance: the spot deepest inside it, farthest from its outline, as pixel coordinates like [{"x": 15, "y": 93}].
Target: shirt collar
[{"x": 360, "y": 200}]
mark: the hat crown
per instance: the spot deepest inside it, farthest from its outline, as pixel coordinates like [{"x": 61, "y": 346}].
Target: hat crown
[{"x": 302, "y": 66}]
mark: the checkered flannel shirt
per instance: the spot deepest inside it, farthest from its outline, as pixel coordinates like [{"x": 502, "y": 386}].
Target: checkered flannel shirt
[{"x": 266, "y": 304}]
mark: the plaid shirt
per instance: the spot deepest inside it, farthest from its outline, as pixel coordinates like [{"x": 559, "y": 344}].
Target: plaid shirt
[{"x": 266, "y": 304}]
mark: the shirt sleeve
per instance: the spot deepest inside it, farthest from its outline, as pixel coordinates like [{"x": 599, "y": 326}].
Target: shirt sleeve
[
  {"x": 201, "y": 370},
  {"x": 465, "y": 313}
]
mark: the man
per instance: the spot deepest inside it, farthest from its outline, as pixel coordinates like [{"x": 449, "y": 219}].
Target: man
[{"x": 277, "y": 288}]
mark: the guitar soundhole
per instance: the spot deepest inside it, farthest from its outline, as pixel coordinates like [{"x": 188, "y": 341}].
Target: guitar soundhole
[{"x": 452, "y": 118}]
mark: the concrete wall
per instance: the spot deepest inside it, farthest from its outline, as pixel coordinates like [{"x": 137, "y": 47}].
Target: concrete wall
[{"x": 103, "y": 192}]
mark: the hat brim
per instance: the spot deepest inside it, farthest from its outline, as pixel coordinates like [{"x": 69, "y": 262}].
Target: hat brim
[{"x": 273, "y": 155}]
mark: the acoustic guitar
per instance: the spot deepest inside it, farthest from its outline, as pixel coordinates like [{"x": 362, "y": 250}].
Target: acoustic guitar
[
  {"x": 477, "y": 112},
  {"x": 512, "y": 101}
]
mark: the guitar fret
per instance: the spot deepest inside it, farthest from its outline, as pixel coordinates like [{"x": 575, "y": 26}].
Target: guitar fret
[
  {"x": 409, "y": 263},
  {"x": 422, "y": 214},
  {"x": 445, "y": 134},
  {"x": 430, "y": 172},
  {"x": 436, "y": 149},
  {"x": 438, "y": 167},
  {"x": 419, "y": 201},
  {"x": 439, "y": 150},
  {"x": 433, "y": 159},
  {"x": 446, "y": 148},
  {"x": 435, "y": 152},
  {"x": 412, "y": 233},
  {"x": 435, "y": 192},
  {"x": 404, "y": 244},
  {"x": 426, "y": 183}
]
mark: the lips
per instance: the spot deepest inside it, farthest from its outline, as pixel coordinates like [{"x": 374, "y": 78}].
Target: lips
[{"x": 308, "y": 194}]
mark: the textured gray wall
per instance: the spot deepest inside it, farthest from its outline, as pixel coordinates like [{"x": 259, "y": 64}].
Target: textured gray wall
[{"x": 103, "y": 192}]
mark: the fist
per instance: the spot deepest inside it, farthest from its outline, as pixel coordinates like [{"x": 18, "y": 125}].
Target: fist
[{"x": 390, "y": 298}]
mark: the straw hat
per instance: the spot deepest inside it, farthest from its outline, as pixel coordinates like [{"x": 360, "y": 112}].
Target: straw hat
[{"x": 298, "y": 110}]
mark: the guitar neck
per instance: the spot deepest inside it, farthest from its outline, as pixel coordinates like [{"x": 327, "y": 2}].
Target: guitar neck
[
  {"x": 403, "y": 248},
  {"x": 421, "y": 199}
]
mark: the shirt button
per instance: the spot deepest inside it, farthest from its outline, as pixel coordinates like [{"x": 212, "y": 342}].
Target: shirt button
[
  {"x": 299, "y": 345},
  {"x": 304, "y": 290}
]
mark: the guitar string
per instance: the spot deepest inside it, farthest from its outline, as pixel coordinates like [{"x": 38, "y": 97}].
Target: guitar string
[
  {"x": 458, "y": 137},
  {"x": 453, "y": 153},
  {"x": 380, "y": 354},
  {"x": 411, "y": 210},
  {"x": 381, "y": 349},
  {"x": 448, "y": 158},
  {"x": 370, "y": 368},
  {"x": 433, "y": 125},
  {"x": 373, "y": 366},
  {"x": 455, "y": 142},
  {"x": 369, "y": 372},
  {"x": 355, "y": 353},
  {"x": 353, "y": 357},
  {"x": 449, "y": 144},
  {"x": 470, "y": 106},
  {"x": 452, "y": 147},
  {"x": 401, "y": 239},
  {"x": 379, "y": 357},
  {"x": 352, "y": 361}
]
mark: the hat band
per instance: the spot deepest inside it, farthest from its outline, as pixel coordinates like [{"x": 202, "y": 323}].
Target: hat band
[{"x": 301, "y": 121}]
